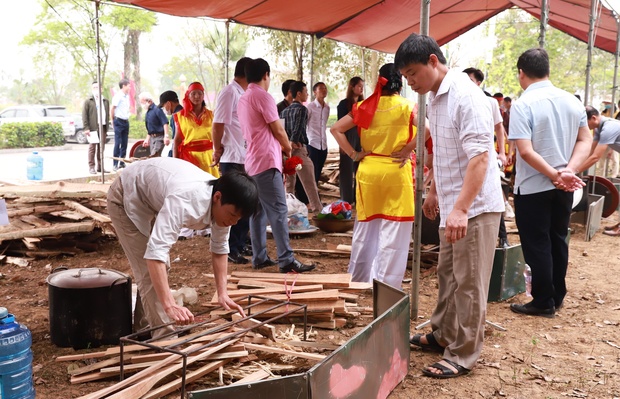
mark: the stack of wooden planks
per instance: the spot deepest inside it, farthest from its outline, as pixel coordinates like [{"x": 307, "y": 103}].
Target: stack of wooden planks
[
  {"x": 53, "y": 219},
  {"x": 152, "y": 374},
  {"x": 331, "y": 299}
]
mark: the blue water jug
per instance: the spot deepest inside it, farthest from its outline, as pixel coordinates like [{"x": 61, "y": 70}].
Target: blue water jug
[
  {"x": 34, "y": 170},
  {"x": 15, "y": 359}
]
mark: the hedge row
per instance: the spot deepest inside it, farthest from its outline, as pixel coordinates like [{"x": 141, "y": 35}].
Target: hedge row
[{"x": 31, "y": 134}]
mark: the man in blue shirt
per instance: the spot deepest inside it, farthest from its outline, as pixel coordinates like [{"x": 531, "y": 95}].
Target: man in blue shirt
[
  {"x": 549, "y": 127},
  {"x": 156, "y": 125},
  {"x": 606, "y": 134}
]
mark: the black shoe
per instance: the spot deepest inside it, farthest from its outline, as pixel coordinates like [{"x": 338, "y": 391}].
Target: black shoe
[
  {"x": 531, "y": 310},
  {"x": 104, "y": 171},
  {"x": 297, "y": 267},
  {"x": 246, "y": 251},
  {"x": 237, "y": 259},
  {"x": 503, "y": 243},
  {"x": 267, "y": 263}
]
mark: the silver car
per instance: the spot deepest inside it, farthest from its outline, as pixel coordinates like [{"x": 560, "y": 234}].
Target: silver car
[{"x": 40, "y": 113}]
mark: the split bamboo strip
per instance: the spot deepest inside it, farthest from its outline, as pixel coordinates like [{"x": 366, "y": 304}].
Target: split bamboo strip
[{"x": 280, "y": 351}]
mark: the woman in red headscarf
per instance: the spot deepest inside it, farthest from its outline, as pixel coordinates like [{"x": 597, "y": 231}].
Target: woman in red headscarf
[
  {"x": 384, "y": 192},
  {"x": 193, "y": 138}
]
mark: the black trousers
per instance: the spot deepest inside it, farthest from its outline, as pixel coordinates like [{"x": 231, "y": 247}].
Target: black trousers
[
  {"x": 543, "y": 220},
  {"x": 318, "y": 158},
  {"x": 238, "y": 232}
]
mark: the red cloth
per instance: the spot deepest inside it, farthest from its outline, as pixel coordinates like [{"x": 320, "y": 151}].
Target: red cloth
[
  {"x": 363, "y": 114},
  {"x": 188, "y": 107}
]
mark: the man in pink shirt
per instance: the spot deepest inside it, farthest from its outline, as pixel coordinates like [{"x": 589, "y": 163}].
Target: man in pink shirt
[{"x": 266, "y": 140}]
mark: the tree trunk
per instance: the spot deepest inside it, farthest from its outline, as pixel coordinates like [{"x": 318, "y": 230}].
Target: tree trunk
[
  {"x": 374, "y": 68},
  {"x": 135, "y": 59}
]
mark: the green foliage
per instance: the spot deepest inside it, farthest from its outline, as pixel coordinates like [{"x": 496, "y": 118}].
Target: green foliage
[
  {"x": 130, "y": 19},
  {"x": 518, "y": 31},
  {"x": 137, "y": 129},
  {"x": 202, "y": 57},
  {"x": 31, "y": 135}
]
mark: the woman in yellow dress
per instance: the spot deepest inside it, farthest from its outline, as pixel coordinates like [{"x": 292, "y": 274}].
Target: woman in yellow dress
[
  {"x": 193, "y": 139},
  {"x": 382, "y": 233}
]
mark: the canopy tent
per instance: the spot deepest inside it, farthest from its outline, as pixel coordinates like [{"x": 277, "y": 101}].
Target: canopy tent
[{"x": 383, "y": 25}]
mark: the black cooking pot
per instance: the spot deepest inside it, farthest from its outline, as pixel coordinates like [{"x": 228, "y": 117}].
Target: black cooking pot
[{"x": 89, "y": 307}]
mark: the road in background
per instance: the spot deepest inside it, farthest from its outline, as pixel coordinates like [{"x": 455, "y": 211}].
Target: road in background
[{"x": 59, "y": 163}]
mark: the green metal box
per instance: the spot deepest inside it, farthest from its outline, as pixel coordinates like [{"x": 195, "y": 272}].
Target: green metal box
[{"x": 507, "y": 276}]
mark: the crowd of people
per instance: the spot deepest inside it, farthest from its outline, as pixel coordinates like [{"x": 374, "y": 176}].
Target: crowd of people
[{"x": 225, "y": 171}]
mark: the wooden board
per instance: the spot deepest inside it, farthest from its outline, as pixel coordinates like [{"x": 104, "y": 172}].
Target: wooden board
[
  {"x": 328, "y": 280},
  {"x": 280, "y": 351}
]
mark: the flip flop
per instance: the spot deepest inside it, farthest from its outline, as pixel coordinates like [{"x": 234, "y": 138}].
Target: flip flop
[
  {"x": 431, "y": 345},
  {"x": 448, "y": 368},
  {"x": 613, "y": 233},
  {"x": 614, "y": 227}
]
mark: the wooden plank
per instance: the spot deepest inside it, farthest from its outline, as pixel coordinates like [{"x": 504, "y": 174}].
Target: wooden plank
[
  {"x": 86, "y": 211},
  {"x": 280, "y": 288},
  {"x": 150, "y": 357},
  {"x": 255, "y": 376},
  {"x": 71, "y": 215},
  {"x": 321, "y": 251},
  {"x": 31, "y": 243},
  {"x": 266, "y": 330},
  {"x": 301, "y": 297},
  {"x": 330, "y": 325},
  {"x": 142, "y": 387},
  {"x": 189, "y": 378},
  {"x": 57, "y": 190},
  {"x": 280, "y": 351},
  {"x": 56, "y": 229},
  {"x": 328, "y": 280},
  {"x": 311, "y": 344},
  {"x": 248, "y": 283},
  {"x": 98, "y": 365},
  {"x": 115, "y": 350},
  {"x": 32, "y": 210},
  {"x": 348, "y": 297},
  {"x": 35, "y": 221}
]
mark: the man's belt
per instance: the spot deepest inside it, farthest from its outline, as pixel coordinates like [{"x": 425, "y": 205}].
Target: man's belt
[{"x": 156, "y": 134}]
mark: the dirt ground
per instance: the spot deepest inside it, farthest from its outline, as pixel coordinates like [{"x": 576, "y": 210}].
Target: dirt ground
[{"x": 576, "y": 354}]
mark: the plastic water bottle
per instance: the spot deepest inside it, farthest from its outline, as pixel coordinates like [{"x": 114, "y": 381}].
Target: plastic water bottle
[
  {"x": 34, "y": 170},
  {"x": 15, "y": 359},
  {"x": 527, "y": 273}
]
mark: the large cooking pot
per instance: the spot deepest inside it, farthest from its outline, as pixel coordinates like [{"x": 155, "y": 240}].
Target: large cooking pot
[{"x": 89, "y": 307}]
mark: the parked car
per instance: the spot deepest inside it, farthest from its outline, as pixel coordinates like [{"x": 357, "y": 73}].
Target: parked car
[
  {"x": 39, "y": 113},
  {"x": 79, "y": 135}
]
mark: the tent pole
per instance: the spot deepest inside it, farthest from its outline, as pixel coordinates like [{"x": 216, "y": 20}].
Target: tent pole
[
  {"x": 100, "y": 105},
  {"x": 311, "y": 62},
  {"x": 364, "y": 68},
  {"x": 419, "y": 180},
  {"x": 544, "y": 18},
  {"x": 593, "y": 6},
  {"x": 227, "y": 56},
  {"x": 615, "y": 84}
]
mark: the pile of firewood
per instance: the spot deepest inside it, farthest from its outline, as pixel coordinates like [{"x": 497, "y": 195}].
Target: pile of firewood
[
  {"x": 227, "y": 357},
  {"x": 53, "y": 219},
  {"x": 331, "y": 299}
]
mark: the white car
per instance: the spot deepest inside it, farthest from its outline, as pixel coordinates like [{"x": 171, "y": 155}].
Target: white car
[{"x": 40, "y": 113}]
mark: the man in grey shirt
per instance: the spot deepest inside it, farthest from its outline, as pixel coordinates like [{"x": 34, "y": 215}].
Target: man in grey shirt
[
  {"x": 149, "y": 204},
  {"x": 606, "y": 134}
]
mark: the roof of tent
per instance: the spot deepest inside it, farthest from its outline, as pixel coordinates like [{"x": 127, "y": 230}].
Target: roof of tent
[{"x": 383, "y": 25}]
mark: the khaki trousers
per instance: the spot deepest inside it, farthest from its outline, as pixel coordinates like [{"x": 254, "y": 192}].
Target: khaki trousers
[
  {"x": 134, "y": 244},
  {"x": 464, "y": 273},
  {"x": 306, "y": 175}
]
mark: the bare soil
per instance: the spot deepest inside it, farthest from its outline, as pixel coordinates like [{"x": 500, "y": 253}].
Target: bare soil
[{"x": 576, "y": 354}]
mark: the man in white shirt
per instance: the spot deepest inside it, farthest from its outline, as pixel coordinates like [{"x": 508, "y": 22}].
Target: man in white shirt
[
  {"x": 149, "y": 204},
  {"x": 120, "y": 119},
  {"x": 466, "y": 190},
  {"x": 318, "y": 114},
  {"x": 229, "y": 151}
]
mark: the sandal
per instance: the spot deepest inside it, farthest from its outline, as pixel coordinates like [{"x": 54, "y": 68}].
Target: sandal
[
  {"x": 448, "y": 369},
  {"x": 430, "y": 345}
]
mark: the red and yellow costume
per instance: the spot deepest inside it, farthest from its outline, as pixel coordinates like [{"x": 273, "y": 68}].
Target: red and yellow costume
[{"x": 195, "y": 134}]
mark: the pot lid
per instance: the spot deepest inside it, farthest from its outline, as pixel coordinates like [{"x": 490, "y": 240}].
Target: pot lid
[{"x": 85, "y": 278}]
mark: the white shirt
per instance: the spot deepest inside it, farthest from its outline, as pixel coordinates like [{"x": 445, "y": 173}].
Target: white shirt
[
  {"x": 317, "y": 125},
  {"x": 169, "y": 194},
  {"x": 226, "y": 113},
  {"x": 121, "y": 102},
  {"x": 497, "y": 115},
  {"x": 461, "y": 125}
]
